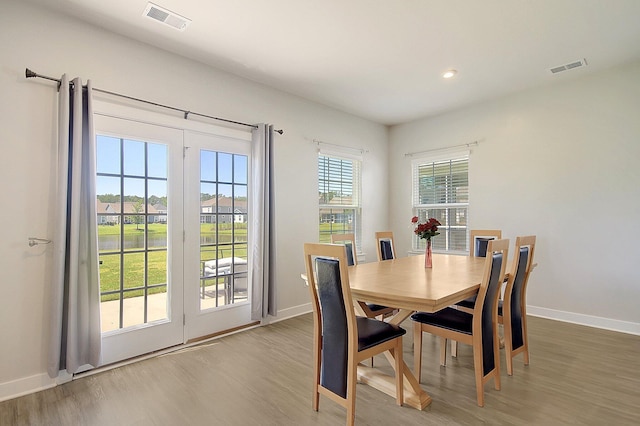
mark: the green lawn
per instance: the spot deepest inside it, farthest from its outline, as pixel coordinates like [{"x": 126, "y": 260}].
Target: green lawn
[
  {"x": 133, "y": 263},
  {"x": 326, "y": 229}
]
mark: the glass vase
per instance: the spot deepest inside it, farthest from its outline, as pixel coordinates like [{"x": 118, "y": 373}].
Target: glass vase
[{"x": 428, "y": 261}]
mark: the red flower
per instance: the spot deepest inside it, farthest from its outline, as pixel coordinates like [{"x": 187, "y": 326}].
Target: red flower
[{"x": 427, "y": 229}]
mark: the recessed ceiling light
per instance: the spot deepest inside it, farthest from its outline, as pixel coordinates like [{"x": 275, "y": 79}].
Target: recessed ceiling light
[{"x": 449, "y": 73}]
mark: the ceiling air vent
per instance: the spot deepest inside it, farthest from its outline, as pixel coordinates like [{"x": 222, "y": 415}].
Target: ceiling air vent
[
  {"x": 570, "y": 66},
  {"x": 165, "y": 16}
]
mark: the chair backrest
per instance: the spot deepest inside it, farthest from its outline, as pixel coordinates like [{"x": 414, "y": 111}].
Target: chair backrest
[
  {"x": 515, "y": 291},
  {"x": 334, "y": 316},
  {"x": 349, "y": 241},
  {"x": 386, "y": 246},
  {"x": 479, "y": 238},
  {"x": 485, "y": 315}
]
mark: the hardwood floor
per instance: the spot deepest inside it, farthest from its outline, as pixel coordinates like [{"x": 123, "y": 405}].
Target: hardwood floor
[{"x": 578, "y": 375}]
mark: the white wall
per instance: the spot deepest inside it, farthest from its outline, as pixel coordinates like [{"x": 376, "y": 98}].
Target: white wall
[
  {"x": 560, "y": 162},
  {"x": 51, "y": 45}
]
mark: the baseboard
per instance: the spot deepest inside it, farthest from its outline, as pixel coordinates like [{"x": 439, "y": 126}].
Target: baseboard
[
  {"x": 292, "y": 312},
  {"x": 588, "y": 320},
  {"x": 25, "y": 386},
  {"x": 564, "y": 316}
]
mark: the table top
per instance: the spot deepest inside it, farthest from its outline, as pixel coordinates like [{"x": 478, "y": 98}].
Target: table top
[{"x": 406, "y": 284}]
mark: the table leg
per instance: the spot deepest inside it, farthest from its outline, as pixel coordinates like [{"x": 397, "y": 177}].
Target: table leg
[{"x": 414, "y": 395}]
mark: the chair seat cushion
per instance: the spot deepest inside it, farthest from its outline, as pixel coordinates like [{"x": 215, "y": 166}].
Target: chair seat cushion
[
  {"x": 375, "y": 308},
  {"x": 449, "y": 318},
  {"x": 372, "y": 332},
  {"x": 469, "y": 302}
]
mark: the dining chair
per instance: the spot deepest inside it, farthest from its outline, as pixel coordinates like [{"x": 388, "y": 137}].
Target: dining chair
[
  {"x": 478, "y": 329},
  {"x": 478, "y": 239},
  {"x": 340, "y": 339},
  {"x": 512, "y": 311},
  {"x": 386, "y": 247},
  {"x": 349, "y": 241},
  {"x": 371, "y": 310},
  {"x": 513, "y": 305}
]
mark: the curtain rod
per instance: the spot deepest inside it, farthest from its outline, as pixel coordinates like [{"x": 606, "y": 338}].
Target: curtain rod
[
  {"x": 319, "y": 142},
  {"x": 464, "y": 145},
  {"x": 29, "y": 74}
]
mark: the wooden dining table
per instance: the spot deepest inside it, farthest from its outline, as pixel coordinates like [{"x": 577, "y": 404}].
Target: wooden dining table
[{"x": 404, "y": 283}]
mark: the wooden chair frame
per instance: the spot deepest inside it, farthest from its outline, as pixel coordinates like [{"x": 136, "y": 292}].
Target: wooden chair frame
[
  {"x": 526, "y": 241},
  {"x": 346, "y": 238},
  {"x": 382, "y": 235},
  {"x": 478, "y": 233},
  {"x": 337, "y": 251},
  {"x": 474, "y": 339}
]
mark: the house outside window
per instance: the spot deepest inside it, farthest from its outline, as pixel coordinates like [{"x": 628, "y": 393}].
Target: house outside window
[
  {"x": 441, "y": 190},
  {"x": 339, "y": 188}
]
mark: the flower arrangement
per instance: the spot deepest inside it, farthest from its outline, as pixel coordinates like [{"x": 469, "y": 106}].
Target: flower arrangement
[{"x": 427, "y": 229}]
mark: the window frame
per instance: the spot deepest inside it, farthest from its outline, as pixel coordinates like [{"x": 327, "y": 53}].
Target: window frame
[
  {"x": 355, "y": 183},
  {"x": 446, "y": 242}
]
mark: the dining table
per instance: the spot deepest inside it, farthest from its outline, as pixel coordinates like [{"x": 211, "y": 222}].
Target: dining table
[{"x": 405, "y": 284}]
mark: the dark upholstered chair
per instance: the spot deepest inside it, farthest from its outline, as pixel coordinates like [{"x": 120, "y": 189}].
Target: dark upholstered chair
[
  {"x": 342, "y": 340},
  {"x": 371, "y": 310},
  {"x": 512, "y": 313},
  {"x": 478, "y": 329},
  {"x": 386, "y": 247},
  {"x": 478, "y": 239},
  {"x": 514, "y": 305},
  {"x": 349, "y": 241}
]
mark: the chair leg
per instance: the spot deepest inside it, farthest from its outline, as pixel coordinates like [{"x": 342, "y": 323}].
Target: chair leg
[
  {"x": 496, "y": 361},
  {"x": 509, "y": 358},
  {"x": 477, "y": 367},
  {"x": 397, "y": 353},
  {"x": 351, "y": 414},
  {"x": 351, "y": 397},
  {"x": 443, "y": 351},
  {"x": 316, "y": 376},
  {"x": 508, "y": 349},
  {"x": 417, "y": 350},
  {"x": 525, "y": 340}
]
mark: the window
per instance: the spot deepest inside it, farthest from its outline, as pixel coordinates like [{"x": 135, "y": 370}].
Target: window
[
  {"x": 339, "y": 196},
  {"x": 131, "y": 186},
  {"x": 441, "y": 190}
]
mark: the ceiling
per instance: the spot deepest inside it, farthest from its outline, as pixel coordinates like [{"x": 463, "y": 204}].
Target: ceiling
[{"x": 383, "y": 59}]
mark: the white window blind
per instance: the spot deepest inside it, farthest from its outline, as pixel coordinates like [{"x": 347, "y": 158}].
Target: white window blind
[
  {"x": 339, "y": 189},
  {"x": 441, "y": 190}
]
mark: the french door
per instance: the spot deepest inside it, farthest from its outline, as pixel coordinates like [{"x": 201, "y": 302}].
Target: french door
[
  {"x": 216, "y": 233},
  {"x": 172, "y": 235}
]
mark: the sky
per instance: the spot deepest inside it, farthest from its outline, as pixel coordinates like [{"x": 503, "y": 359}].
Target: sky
[{"x": 230, "y": 169}]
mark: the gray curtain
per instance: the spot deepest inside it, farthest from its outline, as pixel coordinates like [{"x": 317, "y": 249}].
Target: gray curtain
[
  {"x": 262, "y": 231},
  {"x": 75, "y": 310}
]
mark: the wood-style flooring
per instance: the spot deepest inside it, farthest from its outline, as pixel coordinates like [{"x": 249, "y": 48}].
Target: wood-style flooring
[{"x": 577, "y": 376}]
